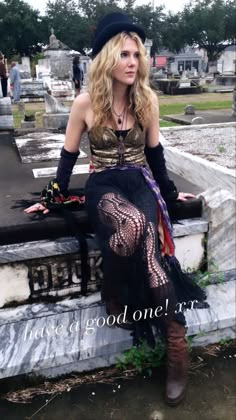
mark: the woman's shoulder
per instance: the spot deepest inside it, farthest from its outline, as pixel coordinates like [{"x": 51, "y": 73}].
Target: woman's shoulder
[{"x": 83, "y": 100}]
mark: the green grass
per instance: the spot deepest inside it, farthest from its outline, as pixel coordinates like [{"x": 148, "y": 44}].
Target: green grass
[
  {"x": 17, "y": 118},
  {"x": 169, "y": 109},
  {"x": 165, "y": 109},
  {"x": 167, "y": 124}
]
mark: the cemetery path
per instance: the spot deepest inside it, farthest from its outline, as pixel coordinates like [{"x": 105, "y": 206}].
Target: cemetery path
[{"x": 210, "y": 396}]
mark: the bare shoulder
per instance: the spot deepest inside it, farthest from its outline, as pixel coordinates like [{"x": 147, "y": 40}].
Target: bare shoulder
[
  {"x": 82, "y": 101},
  {"x": 155, "y": 101}
]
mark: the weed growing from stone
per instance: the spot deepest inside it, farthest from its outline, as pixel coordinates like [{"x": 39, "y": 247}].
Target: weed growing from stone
[{"x": 142, "y": 358}]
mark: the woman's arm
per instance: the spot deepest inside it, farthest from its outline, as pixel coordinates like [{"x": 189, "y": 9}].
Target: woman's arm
[
  {"x": 77, "y": 123},
  {"x": 156, "y": 160},
  {"x": 70, "y": 151}
]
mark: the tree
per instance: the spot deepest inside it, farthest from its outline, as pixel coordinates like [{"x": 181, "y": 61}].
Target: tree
[
  {"x": 95, "y": 10},
  {"x": 172, "y": 34},
  {"x": 19, "y": 28},
  {"x": 69, "y": 26},
  {"x": 152, "y": 22},
  {"x": 209, "y": 24},
  {"x": 129, "y": 5}
]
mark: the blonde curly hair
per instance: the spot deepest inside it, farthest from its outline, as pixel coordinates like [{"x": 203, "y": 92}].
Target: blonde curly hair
[{"x": 100, "y": 82}]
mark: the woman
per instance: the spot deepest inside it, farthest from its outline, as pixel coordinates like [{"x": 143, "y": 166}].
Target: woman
[
  {"x": 3, "y": 76},
  {"x": 120, "y": 113},
  {"x": 77, "y": 75},
  {"x": 15, "y": 82}
]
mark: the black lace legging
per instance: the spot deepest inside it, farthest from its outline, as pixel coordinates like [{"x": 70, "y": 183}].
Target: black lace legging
[{"x": 123, "y": 211}]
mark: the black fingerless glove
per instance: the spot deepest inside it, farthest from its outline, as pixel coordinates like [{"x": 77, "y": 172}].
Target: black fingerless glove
[
  {"x": 65, "y": 168},
  {"x": 156, "y": 161},
  {"x": 55, "y": 195}
]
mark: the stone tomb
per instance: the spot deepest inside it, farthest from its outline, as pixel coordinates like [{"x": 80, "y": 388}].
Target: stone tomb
[
  {"x": 189, "y": 153},
  {"x": 32, "y": 90},
  {"x": 6, "y": 117},
  {"x": 42, "y": 146},
  {"x": 57, "y": 114}
]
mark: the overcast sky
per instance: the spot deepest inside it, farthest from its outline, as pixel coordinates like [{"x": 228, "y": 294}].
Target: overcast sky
[{"x": 174, "y": 5}]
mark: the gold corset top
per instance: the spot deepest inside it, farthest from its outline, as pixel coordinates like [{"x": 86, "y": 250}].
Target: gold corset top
[{"x": 109, "y": 150}]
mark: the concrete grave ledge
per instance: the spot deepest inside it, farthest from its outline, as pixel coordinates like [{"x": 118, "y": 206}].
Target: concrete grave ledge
[
  {"x": 27, "y": 348},
  {"x": 46, "y": 248},
  {"x": 33, "y": 270},
  {"x": 200, "y": 171}
]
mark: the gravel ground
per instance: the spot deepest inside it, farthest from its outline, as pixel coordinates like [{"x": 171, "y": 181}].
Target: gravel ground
[{"x": 216, "y": 144}]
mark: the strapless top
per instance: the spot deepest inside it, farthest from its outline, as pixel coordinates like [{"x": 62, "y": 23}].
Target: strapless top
[{"x": 111, "y": 148}]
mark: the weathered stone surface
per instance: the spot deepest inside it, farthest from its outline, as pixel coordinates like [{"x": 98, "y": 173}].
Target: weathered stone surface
[
  {"x": 14, "y": 283},
  {"x": 73, "y": 334},
  {"x": 54, "y": 106},
  {"x": 45, "y": 268},
  {"x": 234, "y": 103},
  {"x": 32, "y": 89},
  {"x": 219, "y": 208},
  {"x": 197, "y": 170},
  {"x": 57, "y": 121},
  {"x": 189, "y": 110},
  {"x": 198, "y": 120},
  {"x": 41, "y": 146},
  {"x": 6, "y": 122},
  {"x": 27, "y": 124},
  {"x": 5, "y": 106}
]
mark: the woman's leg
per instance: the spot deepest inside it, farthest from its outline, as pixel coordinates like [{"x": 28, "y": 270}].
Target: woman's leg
[
  {"x": 127, "y": 229},
  {"x": 173, "y": 325}
]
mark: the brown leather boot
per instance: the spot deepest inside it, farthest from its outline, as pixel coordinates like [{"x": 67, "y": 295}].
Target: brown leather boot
[{"x": 177, "y": 363}]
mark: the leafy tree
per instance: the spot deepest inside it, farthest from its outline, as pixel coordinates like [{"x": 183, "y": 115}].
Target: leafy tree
[
  {"x": 172, "y": 34},
  {"x": 152, "y": 21},
  {"x": 94, "y": 10},
  {"x": 129, "y": 6},
  {"x": 210, "y": 25},
  {"x": 19, "y": 28},
  {"x": 70, "y": 27}
]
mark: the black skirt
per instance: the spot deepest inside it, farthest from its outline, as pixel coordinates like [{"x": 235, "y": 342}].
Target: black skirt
[{"x": 123, "y": 211}]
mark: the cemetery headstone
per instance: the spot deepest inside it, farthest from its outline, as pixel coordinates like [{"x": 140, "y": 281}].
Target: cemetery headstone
[
  {"x": 189, "y": 110},
  {"x": 6, "y": 117},
  {"x": 57, "y": 114}
]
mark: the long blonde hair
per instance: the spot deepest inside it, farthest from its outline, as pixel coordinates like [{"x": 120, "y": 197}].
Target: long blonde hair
[{"x": 100, "y": 82}]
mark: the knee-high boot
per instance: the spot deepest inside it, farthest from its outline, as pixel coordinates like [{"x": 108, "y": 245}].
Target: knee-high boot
[
  {"x": 177, "y": 363},
  {"x": 177, "y": 347}
]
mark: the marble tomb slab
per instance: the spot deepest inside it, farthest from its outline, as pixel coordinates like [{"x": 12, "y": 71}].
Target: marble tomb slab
[
  {"x": 219, "y": 209},
  {"x": 41, "y": 337},
  {"x": 43, "y": 146},
  {"x": 197, "y": 170},
  {"x": 51, "y": 172},
  {"x": 44, "y": 248}
]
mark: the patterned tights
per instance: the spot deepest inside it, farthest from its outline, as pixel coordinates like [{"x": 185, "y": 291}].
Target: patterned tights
[{"x": 130, "y": 231}]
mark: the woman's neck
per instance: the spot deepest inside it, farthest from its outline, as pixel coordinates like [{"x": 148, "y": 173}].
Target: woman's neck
[{"x": 120, "y": 95}]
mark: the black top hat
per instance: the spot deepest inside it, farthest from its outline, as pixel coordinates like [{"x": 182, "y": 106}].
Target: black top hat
[{"x": 111, "y": 25}]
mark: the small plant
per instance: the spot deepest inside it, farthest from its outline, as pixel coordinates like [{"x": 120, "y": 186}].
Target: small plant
[
  {"x": 142, "y": 357},
  {"x": 225, "y": 340},
  {"x": 206, "y": 278},
  {"x": 189, "y": 342},
  {"x": 221, "y": 149}
]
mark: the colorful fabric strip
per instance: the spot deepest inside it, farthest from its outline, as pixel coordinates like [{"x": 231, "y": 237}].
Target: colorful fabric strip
[{"x": 164, "y": 226}]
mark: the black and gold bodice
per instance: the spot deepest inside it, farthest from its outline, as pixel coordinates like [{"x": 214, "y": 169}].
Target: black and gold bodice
[{"x": 110, "y": 148}]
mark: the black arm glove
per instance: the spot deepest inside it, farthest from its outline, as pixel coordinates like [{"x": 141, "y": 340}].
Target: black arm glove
[
  {"x": 156, "y": 161},
  {"x": 65, "y": 168},
  {"x": 55, "y": 194}
]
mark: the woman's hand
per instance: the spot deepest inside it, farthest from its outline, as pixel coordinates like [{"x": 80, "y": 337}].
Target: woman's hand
[
  {"x": 36, "y": 207},
  {"x": 184, "y": 196}
]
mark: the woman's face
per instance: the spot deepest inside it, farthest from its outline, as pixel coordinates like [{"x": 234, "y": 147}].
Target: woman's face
[{"x": 126, "y": 70}]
